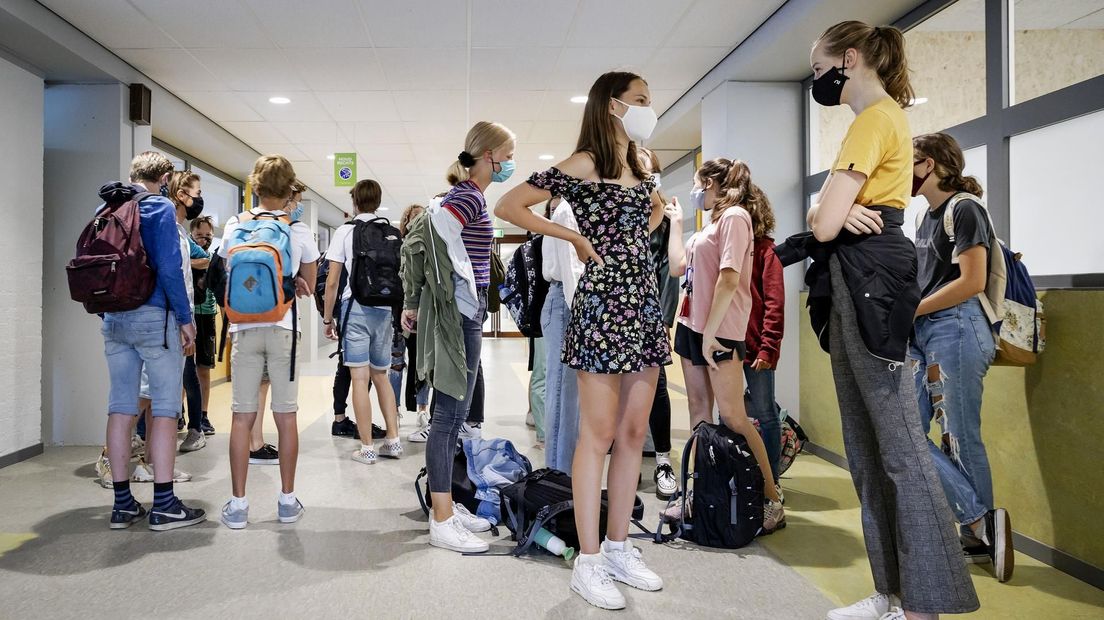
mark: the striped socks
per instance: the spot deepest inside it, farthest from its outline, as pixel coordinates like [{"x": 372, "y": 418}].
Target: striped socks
[
  {"x": 123, "y": 499},
  {"x": 163, "y": 496}
]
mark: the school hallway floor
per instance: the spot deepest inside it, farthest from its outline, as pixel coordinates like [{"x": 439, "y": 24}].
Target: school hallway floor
[{"x": 360, "y": 550}]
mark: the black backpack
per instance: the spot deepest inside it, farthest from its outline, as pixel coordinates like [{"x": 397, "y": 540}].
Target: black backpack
[
  {"x": 375, "y": 278},
  {"x": 320, "y": 287},
  {"x": 543, "y": 500},
  {"x": 525, "y": 288},
  {"x": 722, "y": 496}
]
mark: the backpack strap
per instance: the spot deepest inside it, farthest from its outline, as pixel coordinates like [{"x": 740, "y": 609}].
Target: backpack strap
[
  {"x": 948, "y": 219},
  {"x": 222, "y": 339}
]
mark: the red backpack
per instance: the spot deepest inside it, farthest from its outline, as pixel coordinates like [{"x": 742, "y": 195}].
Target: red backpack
[{"x": 110, "y": 272}]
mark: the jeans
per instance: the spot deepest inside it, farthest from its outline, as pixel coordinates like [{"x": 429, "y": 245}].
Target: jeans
[
  {"x": 760, "y": 405},
  {"x": 448, "y": 412},
  {"x": 561, "y": 395},
  {"x": 537, "y": 385},
  {"x": 366, "y": 336},
  {"x": 951, "y": 351},
  {"x": 143, "y": 336},
  {"x": 475, "y": 409},
  {"x": 194, "y": 395}
]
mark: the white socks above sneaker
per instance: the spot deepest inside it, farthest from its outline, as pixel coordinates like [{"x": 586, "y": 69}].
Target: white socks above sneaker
[
  {"x": 612, "y": 545},
  {"x": 663, "y": 458},
  {"x": 239, "y": 503},
  {"x": 287, "y": 499}
]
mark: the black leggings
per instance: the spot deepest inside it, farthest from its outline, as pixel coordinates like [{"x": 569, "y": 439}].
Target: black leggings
[
  {"x": 410, "y": 392},
  {"x": 193, "y": 394},
  {"x": 660, "y": 419},
  {"x": 342, "y": 382}
]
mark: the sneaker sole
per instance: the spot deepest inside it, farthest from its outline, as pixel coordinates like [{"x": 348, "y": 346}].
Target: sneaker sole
[
  {"x": 417, "y": 439},
  {"x": 234, "y": 525},
  {"x": 1004, "y": 561},
  {"x": 291, "y": 519},
  {"x": 665, "y": 496},
  {"x": 457, "y": 548},
  {"x": 175, "y": 525},
  {"x": 192, "y": 448},
  {"x": 478, "y": 531},
  {"x": 595, "y": 603},
  {"x": 780, "y": 526},
  {"x": 365, "y": 461},
  {"x": 264, "y": 461},
  {"x": 978, "y": 559},
  {"x": 123, "y": 526}
]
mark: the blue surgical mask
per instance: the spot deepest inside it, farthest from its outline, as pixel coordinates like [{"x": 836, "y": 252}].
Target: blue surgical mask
[
  {"x": 297, "y": 212},
  {"x": 505, "y": 171},
  {"x": 697, "y": 198}
]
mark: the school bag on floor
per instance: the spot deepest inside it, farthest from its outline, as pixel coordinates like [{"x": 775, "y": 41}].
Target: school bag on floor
[
  {"x": 260, "y": 279},
  {"x": 1014, "y": 312},
  {"x": 722, "y": 491},
  {"x": 111, "y": 271},
  {"x": 793, "y": 436},
  {"x": 543, "y": 500},
  {"x": 525, "y": 288}
]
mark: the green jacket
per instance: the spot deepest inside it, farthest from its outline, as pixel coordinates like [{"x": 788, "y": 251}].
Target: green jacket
[{"x": 428, "y": 287}]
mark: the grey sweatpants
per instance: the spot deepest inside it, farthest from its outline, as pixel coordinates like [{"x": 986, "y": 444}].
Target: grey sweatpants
[{"x": 911, "y": 542}]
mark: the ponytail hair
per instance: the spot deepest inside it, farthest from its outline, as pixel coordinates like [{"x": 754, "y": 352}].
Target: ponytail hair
[
  {"x": 949, "y": 162},
  {"x": 483, "y": 136},
  {"x": 882, "y": 48},
  {"x": 735, "y": 189}
]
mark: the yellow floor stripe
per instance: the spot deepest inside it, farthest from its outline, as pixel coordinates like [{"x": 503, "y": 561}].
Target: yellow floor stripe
[{"x": 12, "y": 541}]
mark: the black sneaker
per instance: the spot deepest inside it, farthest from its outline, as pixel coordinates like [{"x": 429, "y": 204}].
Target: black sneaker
[
  {"x": 344, "y": 428},
  {"x": 180, "y": 422},
  {"x": 266, "y": 455},
  {"x": 378, "y": 433},
  {"x": 122, "y": 519},
  {"x": 975, "y": 552},
  {"x": 998, "y": 527},
  {"x": 175, "y": 517},
  {"x": 206, "y": 427}
]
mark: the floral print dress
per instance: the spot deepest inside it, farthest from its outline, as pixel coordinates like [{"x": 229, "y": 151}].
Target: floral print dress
[{"x": 616, "y": 323}]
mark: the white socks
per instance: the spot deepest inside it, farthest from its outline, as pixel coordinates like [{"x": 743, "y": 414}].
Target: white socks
[
  {"x": 611, "y": 545},
  {"x": 663, "y": 458},
  {"x": 239, "y": 503},
  {"x": 287, "y": 499}
]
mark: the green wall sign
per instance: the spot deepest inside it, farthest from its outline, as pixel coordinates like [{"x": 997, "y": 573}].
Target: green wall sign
[{"x": 345, "y": 169}]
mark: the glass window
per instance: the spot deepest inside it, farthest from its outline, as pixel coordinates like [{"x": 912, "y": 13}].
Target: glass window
[
  {"x": 1054, "y": 197},
  {"x": 221, "y": 199},
  {"x": 1055, "y": 45},
  {"x": 946, "y": 56}
]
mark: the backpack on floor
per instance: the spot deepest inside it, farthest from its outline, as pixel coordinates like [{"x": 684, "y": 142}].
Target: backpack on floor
[
  {"x": 1009, "y": 300},
  {"x": 525, "y": 288},
  {"x": 111, "y": 271},
  {"x": 722, "y": 491},
  {"x": 793, "y": 442},
  {"x": 375, "y": 277},
  {"x": 260, "y": 279},
  {"x": 543, "y": 500}
]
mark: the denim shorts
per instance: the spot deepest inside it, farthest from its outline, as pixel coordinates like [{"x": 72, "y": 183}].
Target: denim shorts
[
  {"x": 367, "y": 336},
  {"x": 137, "y": 338}
]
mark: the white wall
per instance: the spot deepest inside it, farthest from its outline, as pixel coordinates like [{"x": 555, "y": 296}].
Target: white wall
[
  {"x": 87, "y": 143},
  {"x": 20, "y": 282},
  {"x": 761, "y": 123}
]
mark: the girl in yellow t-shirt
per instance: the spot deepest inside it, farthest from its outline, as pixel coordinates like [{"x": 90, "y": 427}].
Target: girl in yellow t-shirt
[{"x": 916, "y": 559}]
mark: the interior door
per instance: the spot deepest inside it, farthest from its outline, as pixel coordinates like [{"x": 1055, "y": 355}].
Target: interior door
[{"x": 500, "y": 324}]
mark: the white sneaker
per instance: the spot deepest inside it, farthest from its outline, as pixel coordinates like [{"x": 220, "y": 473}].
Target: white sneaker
[
  {"x": 452, "y": 535},
  {"x": 781, "y": 496},
  {"x": 530, "y": 421},
  {"x": 103, "y": 472},
  {"x": 420, "y": 436},
  {"x": 590, "y": 579},
  {"x": 470, "y": 521},
  {"x": 873, "y": 607},
  {"x": 894, "y": 614},
  {"x": 137, "y": 446},
  {"x": 471, "y": 431},
  {"x": 666, "y": 482},
  {"x": 366, "y": 455},
  {"x": 194, "y": 441},
  {"x": 423, "y": 419},
  {"x": 391, "y": 450},
  {"x": 143, "y": 472},
  {"x": 774, "y": 517},
  {"x": 627, "y": 566}
]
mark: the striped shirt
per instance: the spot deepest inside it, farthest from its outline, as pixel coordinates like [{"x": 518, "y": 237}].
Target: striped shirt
[{"x": 467, "y": 204}]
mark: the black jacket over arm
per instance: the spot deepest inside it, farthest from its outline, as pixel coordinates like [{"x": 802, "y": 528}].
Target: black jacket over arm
[{"x": 880, "y": 272}]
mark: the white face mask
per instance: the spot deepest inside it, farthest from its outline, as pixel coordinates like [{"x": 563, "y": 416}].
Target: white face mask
[{"x": 639, "y": 121}]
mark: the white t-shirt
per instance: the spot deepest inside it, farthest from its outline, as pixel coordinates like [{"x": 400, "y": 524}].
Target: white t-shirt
[
  {"x": 303, "y": 250},
  {"x": 341, "y": 251},
  {"x": 561, "y": 262}
]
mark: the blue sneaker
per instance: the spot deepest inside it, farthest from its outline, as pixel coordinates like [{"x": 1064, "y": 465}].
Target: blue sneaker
[
  {"x": 122, "y": 519},
  {"x": 290, "y": 513},
  {"x": 175, "y": 517},
  {"x": 235, "y": 519}
]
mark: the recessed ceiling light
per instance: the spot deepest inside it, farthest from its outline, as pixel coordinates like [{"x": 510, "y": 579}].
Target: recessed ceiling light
[
  {"x": 546, "y": 157},
  {"x": 919, "y": 100},
  {"x": 579, "y": 99},
  {"x": 330, "y": 157},
  {"x": 279, "y": 100}
]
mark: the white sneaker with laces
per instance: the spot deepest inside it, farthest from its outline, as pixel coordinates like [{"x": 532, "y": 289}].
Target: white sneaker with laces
[
  {"x": 894, "y": 614},
  {"x": 590, "y": 579},
  {"x": 194, "y": 441},
  {"x": 470, "y": 431},
  {"x": 419, "y": 436},
  {"x": 143, "y": 472},
  {"x": 470, "y": 521},
  {"x": 391, "y": 449},
  {"x": 366, "y": 455},
  {"x": 627, "y": 566},
  {"x": 873, "y": 607},
  {"x": 452, "y": 535}
]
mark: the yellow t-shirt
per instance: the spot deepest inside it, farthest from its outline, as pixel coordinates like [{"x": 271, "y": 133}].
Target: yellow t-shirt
[{"x": 879, "y": 145}]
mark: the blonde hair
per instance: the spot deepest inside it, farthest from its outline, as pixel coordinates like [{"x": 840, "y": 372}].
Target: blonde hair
[
  {"x": 181, "y": 179},
  {"x": 149, "y": 166},
  {"x": 273, "y": 177},
  {"x": 882, "y": 47},
  {"x": 734, "y": 188},
  {"x": 484, "y": 136},
  {"x": 407, "y": 215}
]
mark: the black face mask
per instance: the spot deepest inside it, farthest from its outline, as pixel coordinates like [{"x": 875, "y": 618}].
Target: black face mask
[
  {"x": 193, "y": 211},
  {"x": 828, "y": 88},
  {"x": 918, "y": 182}
]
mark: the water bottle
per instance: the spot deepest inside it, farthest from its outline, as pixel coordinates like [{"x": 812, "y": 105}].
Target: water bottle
[{"x": 554, "y": 544}]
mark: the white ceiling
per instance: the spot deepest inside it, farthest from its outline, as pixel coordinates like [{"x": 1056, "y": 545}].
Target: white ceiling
[{"x": 391, "y": 79}]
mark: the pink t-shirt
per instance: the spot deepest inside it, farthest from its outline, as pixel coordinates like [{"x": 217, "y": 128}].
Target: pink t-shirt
[{"x": 725, "y": 244}]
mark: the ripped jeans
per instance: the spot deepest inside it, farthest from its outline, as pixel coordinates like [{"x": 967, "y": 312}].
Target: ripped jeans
[{"x": 950, "y": 352}]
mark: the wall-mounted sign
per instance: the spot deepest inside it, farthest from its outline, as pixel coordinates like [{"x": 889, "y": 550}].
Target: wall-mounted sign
[{"x": 345, "y": 169}]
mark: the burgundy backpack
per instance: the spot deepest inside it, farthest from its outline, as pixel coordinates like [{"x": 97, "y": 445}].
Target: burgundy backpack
[{"x": 110, "y": 272}]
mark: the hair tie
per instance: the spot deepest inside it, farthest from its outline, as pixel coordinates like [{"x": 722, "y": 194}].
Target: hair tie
[{"x": 466, "y": 160}]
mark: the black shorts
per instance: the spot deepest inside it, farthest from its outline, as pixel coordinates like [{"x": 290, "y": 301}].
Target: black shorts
[
  {"x": 688, "y": 344},
  {"x": 205, "y": 340}
]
